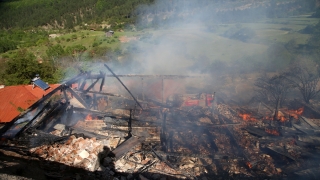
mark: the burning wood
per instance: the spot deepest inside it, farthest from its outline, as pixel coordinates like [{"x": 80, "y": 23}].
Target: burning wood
[
  {"x": 187, "y": 136},
  {"x": 247, "y": 117},
  {"x": 88, "y": 117},
  {"x": 272, "y": 131}
]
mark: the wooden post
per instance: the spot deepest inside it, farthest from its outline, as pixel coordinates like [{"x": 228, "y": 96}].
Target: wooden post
[
  {"x": 162, "y": 91},
  {"x": 142, "y": 89}
]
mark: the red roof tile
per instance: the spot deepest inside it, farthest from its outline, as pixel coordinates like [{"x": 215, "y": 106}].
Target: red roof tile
[{"x": 14, "y": 99}]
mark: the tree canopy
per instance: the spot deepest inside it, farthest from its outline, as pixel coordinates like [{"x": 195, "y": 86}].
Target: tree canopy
[{"x": 24, "y": 66}]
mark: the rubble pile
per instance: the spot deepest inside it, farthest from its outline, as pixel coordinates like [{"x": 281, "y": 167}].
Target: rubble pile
[
  {"x": 77, "y": 152},
  {"x": 184, "y": 137}
]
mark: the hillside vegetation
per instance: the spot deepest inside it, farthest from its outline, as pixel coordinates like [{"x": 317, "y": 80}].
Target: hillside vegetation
[
  {"x": 241, "y": 35},
  {"x": 118, "y": 13},
  {"x": 65, "y": 14}
]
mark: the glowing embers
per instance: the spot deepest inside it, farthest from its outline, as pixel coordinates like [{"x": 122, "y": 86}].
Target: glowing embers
[
  {"x": 247, "y": 117},
  {"x": 272, "y": 131},
  {"x": 284, "y": 115},
  {"x": 296, "y": 113},
  {"x": 88, "y": 117}
]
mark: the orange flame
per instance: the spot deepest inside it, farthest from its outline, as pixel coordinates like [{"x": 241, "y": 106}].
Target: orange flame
[
  {"x": 272, "y": 131},
  {"x": 247, "y": 117},
  {"x": 249, "y": 165},
  {"x": 282, "y": 118},
  {"x": 89, "y": 117},
  {"x": 296, "y": 113}
]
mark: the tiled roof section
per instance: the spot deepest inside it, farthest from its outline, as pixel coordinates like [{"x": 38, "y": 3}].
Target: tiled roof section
[{"x": 15, "y": 99}]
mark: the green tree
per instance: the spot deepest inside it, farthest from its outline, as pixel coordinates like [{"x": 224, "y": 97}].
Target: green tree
[
  {"x": 75, "y": 50},
  {"x": 54, "y": 52},
  {"x": 74, "y": 36},
  {"x": 21, "y": 68}
]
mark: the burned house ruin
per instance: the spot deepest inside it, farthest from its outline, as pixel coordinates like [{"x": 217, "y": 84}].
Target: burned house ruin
[{"x": 154, "y": 130}]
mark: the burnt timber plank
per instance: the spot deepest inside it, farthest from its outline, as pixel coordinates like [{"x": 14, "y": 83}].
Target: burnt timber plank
[
  {"x": 256, "y": 131},
  {"x": 280, "y": 150},
  {"x": 312, "y": 173},
  {"x": 78, "y": 98},
  {"x": 308, "y": 121},
  {"x": 88, "y": 133},
  {"x": 126, "y": 146},
  {"x": 305, "y": 130}
]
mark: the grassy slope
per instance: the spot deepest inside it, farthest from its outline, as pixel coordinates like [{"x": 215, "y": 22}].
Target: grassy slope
[{"x": 199, "y": 42}]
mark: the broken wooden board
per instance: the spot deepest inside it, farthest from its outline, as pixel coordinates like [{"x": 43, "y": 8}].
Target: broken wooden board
[
  {"x": 256, "y": 131},
  {"x": 304, "y": 129},
  {"x": 126, "y": 146},
  {"x": 280, "y": 150},
  {"x": 312, "y": 173},
  {"x": 312, "y": 124}
]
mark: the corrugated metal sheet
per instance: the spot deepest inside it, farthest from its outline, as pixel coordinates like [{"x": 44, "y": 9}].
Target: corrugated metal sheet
[{"x": 15, "y": 99}]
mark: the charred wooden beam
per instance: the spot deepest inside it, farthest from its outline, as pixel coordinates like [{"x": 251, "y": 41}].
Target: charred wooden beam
[
  {"x": 125, "y": 147},
  {"x": 83, "y": 84},
  {"x": 129, "y": 124},
  {"x": 101, "y": 93},
  {"x": 88, "y": 133},
  {"x": 308, "y": 121},
  {"x": 92, "y": 85},
  {"x": 176, "y": 154},
  {"x": 69, "y": 115},
  {"x": 160, "y": 76},
  {"x": 63, "y": 89},
  {"x": 306, "y": 130},
  {"x": 78, "y": 98},
  {"x": 75, "y": 79},
  {"x": 312, "y": 140},
  {"x": 95, "y": 102},
  {"x": 38, "y": 117},
  {"x": 163, "y": 138},
  {"x": 282, "y": 151},
  {"x": 102, "y": 83},
  {"x": 96, "y": 76},
  {"x": 256, "y": 131},
  {"x": 88, "y": 111},
  {"x": 123, "y": 85},
  {"x": 211, "y": 142},
  {"x": 50, "y": 116},
  {"x": 57, "y": 114}
]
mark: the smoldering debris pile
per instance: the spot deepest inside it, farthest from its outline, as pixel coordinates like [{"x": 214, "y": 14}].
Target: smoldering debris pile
[
  {"x": 187, "y": 136},
  {"x": 77, "y": 152}
]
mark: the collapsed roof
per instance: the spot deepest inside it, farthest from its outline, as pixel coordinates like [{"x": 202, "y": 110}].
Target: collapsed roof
[{"x": 158, "y": 134}]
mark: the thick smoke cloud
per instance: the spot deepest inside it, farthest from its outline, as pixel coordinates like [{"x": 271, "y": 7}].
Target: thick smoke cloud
[{"x": 181, "y": 40}]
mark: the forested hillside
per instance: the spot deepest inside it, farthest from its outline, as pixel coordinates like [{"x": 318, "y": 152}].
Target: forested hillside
[
  {"x": 79, "y": 28},
  {"x": 64, "y": 14},
  {"x": 70, "y": 13}
]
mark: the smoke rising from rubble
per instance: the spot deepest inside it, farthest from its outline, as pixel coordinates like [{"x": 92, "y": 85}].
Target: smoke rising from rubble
[{"x": 182, "y": 42}]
